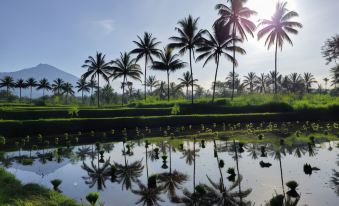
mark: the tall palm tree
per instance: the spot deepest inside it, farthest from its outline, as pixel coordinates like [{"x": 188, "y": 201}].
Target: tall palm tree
[
  {"x": 237, "y": 17},
  {"x": 296, "y": 82},
  {"x": 20, "y": 83},
  {"x": 274, "y": 77},
  {"x": 146, "y": 48},
  {"x": 82, "y": 87},
  {"x": 189, "y": 37},
  {"x": 44, "y": 85},
  {"x": 57, "y": 85},
  {"x": 169, "y": 63},
  {"x": 96, "y": 67},
  {"x": 7, "y": 82},
  {"x": 124, "y": 67},
  {"x": 151, "y": 82},
  {"x": 277, "y": 30},
  {"x": 326, "y": 81},
  {"x": 31, "y": 83},
  {"x": 68, "y": 90},
  {"x": 308, "y": 80},
  {"x": 261, "y": 82},
  {"x": 250, "y": 80},
  {"x": 186, "y": 81},
  {"x": 217, "y": 45}
]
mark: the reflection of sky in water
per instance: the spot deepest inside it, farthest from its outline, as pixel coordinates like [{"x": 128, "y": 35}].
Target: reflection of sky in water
[{"x": 314, "y": 189}]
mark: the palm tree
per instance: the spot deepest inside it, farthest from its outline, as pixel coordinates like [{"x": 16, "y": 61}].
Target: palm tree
[
  {"x": 186, "y": 81},
  {"x": 308, "y": 80},
  {"x": 82, "y": 87},
  {"x": 272, "y": 76},
  {"x": 261, "y": 82},
  {"x": 335, "y": 76},
  {"x": 125, "y": 67},
  {"x": 189, "y": 37},
  {"x": 217, "y": 45},
  {"x": 7, "y": 82},
  {"x": 146, "y": 48},
  {"x": 250, "y": 80},
  {"x": 295, "y": 81},
  {"x": 31, "y": 83},
  {"x": 57, "y": 85},
  {"x": 152, "y": 82},
  {"x": 326, "y": 81},
  {"x": 236, "y": 17},
  {"x": 161, "y": 91},
  {"x": 276, "y": 30},
  {"x": 169, "y": 63},
  {"x": 44, "y": 85},
  {"x": 127, "y": 173},
  {"x": 68, "y": 90},
  {"x": 97, "y": 67},
  {"x": 20, "y": 83},
  {"x": 149, "y": 195},
  {"x": 97, "y": 174},
  {"x": 331, "y": 49}
]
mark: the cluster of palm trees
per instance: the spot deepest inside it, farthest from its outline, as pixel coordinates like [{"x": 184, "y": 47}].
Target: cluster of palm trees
[{"x": 229, "y": 30}]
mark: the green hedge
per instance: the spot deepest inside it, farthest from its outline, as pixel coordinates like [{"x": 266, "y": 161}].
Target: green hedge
[
  {"x": 15, "y": 128},
  {"x": 85, "y": 113}
]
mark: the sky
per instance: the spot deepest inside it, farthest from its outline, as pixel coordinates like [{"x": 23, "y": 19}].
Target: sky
[{"x": 63, "y": 33}]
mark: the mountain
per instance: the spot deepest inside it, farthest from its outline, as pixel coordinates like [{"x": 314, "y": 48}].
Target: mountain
[{"x": 38, "y": 72}]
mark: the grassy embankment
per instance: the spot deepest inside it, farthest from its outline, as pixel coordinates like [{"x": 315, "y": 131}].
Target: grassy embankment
[{"x": 14, "y": 193}]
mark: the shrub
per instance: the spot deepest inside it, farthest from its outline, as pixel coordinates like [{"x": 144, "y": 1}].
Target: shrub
[
  {"x": 292, "y": 184},
  {"x": 92, "y": 197},
  {"x": 175, "y": 109},
  {"x": 56, "y": 183},
  {"x": 2, "y": 140}
]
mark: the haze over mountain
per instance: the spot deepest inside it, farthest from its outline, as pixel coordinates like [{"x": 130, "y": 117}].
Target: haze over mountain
[{"x": 38, "y": 72}]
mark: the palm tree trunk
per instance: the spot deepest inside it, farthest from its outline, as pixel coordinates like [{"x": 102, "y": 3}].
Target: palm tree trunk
[
  {"x": 215, "y": 79},
  {"x": 275, "y": 65},
  {"x": 194, "y": 165},
  {"x": 187, "y": 92},
  {"x": 43, "y": 92},
  {"x": 146, "y": 163},
  {"x": 30, "y": 97},
  {"x": 7, "y": 92},
  {"x": 168, "y": 92},
  {"x": 221, "y": 176},
  {"x": 236, "y": 158},
  {"x": 20, "y": 93},
  {"x": 145, "y": 76},
  {"x": 281, "y": 175},
  {"x": 98, "y": 90},
  {"x": 170, "y": 156},
  {"x": 191, "y": 72},
  {"x": 82, "y": 96},
  {"x": 123, "y": 91},
  {"x": 233, "y": 74}
]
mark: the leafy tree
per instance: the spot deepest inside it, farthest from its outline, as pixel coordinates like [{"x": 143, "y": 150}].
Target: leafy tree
[
  {"x": 31, "y": 83},
  {"x": 57, "y": 86},
  {"x": 236, "y": 17},
  {"x": 7, "y": 82},
  {"x": 151, "y": 82},
  {"x": 169, "y": 63},
  {"x": 82, "y": 86},
  {"x": 146, "y": 48},
  {"x": 44, "y": 85},
  {"x": 20, "y": 83},
  {"x": 124, "y": 67},
  {"x": 189, "y": 37},
  {"x": 96, "y": 67},
  {"x": 277, "y": 30},
  {"x": 217, "y": 45}
]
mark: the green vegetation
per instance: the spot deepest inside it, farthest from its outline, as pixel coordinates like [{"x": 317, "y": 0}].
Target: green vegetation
[{"x": 14, "y": 193}]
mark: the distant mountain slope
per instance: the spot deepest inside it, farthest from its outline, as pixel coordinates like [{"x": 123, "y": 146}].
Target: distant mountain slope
[{"x": 38, "y": 72}]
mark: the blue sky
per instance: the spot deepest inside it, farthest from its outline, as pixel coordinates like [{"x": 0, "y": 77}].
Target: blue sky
[{"x": 63, "y": 33}]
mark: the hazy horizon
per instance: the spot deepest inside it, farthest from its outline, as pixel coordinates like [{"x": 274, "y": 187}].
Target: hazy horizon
[{"x": 63, "y": 34}]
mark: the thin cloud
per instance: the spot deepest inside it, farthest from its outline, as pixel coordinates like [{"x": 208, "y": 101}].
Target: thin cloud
[{"x": 107, "y": 25}]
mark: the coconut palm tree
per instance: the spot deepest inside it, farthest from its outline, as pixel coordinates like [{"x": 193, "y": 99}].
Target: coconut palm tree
[
  {"x": 146, "y": 48},
  {"x": 124, "y": 67},
  {"x": 96, "y": 67},
  {"x": 335, "y": 76},
  {"x": 261, "y": 82},
  {"x": 217, "y": 45},
  {"x": 236, "y": 17},
  {"x": 330, "y": 50},
  {"x": 189, "y": 37},
  {"x": 161, "y": 90},
  {"x": 44, "y": 85},
  {"x": 250, "y": 80},
  {"x": 326, "y": 81},
  {"x": 7, "y": 82},
  {"x": 152, "y": 82},
  {"x": 82, "y": 87},
  {"x": 57, "y": 86},
  {"x": 31, "y": 83},
  {"x": 20, "y": 83},
  {"x": 186, "y": 81},
  {"x": 308, "y": 80},
  {"x": 127, "y": 174},
  {"x": 68, "y": 90},
  {"x": 169, "y": 63},
  {"x": 277, "y": 30},
  {"x": 272, "y": 77},
  {"x": 296, "y": 82}
]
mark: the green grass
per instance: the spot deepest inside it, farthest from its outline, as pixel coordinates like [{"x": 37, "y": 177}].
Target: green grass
[{"x": 14, "y": 193}]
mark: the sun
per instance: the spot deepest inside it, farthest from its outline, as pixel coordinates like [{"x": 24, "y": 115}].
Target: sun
[{"x": 266, "y": 8}]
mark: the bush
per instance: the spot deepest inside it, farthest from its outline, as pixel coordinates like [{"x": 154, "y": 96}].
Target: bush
[
  {"x": 292, "y": 185},
  {"x": 92, "y": 197}
]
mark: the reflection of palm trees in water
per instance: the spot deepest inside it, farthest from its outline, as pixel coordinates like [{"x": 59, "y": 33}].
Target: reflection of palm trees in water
[
  {"x": 172, "y": 180},
  {"x": 277, "y": 155},
  {"x": 335, "y": 179},
  {"x": 97, "y": 174},
  {"x": 149, "y": 196},
  {"x": 83, "y": 152},
  {"x": 189, "y": 154}
]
